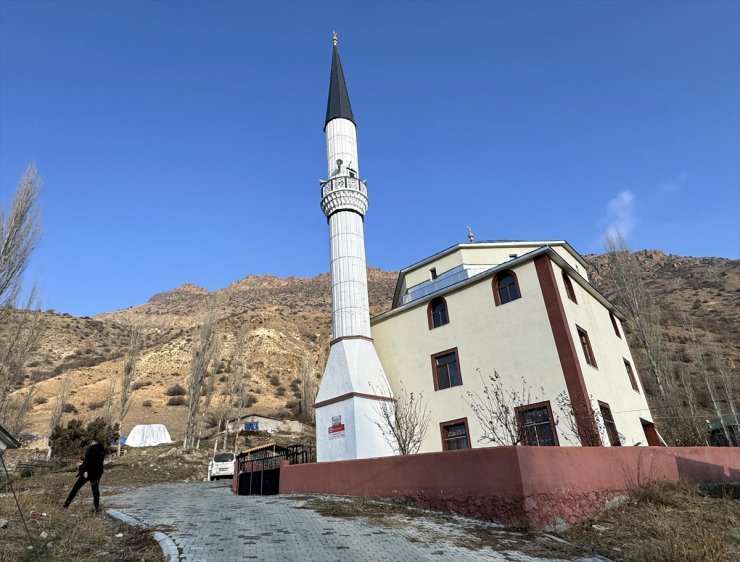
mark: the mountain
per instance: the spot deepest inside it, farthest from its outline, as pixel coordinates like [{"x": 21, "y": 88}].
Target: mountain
[{"x": 282, "y": 323}]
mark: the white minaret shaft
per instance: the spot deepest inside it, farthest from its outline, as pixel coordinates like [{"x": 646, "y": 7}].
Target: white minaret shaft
[
  {"x": 354, "y": 381},
  {"x": 350, "y": 309}
]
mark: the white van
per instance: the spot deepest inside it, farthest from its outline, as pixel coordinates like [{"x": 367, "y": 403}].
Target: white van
[{"x": 221, "y": 466}]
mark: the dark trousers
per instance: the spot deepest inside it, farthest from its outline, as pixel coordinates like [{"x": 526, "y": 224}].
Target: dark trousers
[{"x": 76, "y": 488}]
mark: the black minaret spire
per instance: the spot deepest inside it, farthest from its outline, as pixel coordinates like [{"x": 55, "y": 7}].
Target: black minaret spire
[{"x": 338, "y": 105}]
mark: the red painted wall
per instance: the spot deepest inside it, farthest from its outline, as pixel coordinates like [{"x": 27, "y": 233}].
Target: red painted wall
[{"x": 514, "y": 484}]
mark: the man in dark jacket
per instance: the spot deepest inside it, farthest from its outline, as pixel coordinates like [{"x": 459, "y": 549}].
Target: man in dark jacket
[{"x": 91, "y": 469}]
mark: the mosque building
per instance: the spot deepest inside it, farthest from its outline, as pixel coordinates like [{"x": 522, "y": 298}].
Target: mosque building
[{"x": 515, "y": 317}]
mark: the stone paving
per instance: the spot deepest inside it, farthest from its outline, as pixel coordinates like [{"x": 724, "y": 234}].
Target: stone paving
[{"x": 210, "y": 524}]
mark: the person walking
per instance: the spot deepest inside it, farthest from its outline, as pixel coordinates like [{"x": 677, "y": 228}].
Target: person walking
[{"x": 91, "y": 469}]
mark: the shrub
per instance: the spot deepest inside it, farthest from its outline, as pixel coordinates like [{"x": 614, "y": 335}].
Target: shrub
[
  {"x": 274, "y": 380},
  {"x": 175, "y": 390},
  {"x": 140, "y": 384},
  {"x": 69, "y": 408},
  {"x": 40, "y": 400},
  {"x": 147, "y": 403},
  {"x": 280, "y": 391},
  {"x": 96, "y": 405},
  {"x": 70, "y": 442},
  {"x": 176, "y": 401}
]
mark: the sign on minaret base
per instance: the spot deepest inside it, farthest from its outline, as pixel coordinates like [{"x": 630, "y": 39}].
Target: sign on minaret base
[{"x": 348, "y": 404}]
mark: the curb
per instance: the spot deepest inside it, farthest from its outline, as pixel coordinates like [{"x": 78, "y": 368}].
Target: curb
[{"x": 168, "y": 546}]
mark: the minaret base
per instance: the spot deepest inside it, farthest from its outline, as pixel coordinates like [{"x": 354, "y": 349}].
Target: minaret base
[{"x": 352, "y": 392}]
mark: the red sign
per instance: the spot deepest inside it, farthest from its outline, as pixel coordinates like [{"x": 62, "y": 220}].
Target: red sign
[{"x": 336, "y": 428}]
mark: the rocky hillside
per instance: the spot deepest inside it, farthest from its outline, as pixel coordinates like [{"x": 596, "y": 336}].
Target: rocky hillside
[
  {"x": 273, "y": 325},
  {"x": 278, "y": 324}
]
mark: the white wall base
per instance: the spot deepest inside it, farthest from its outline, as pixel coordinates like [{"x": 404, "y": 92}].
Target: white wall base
[{"x": 353, "y": 367}]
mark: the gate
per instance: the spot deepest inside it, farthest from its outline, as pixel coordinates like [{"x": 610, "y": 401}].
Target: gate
[{"x": 258, "y": 469}]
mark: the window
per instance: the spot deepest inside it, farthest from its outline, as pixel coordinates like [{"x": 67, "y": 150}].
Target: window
[
  {"x": 446, "y": 369},
  {"x": 611, "y": 429},
  {"x": 455, "y": 435},
  {"x": 569, "y": 287},
  {"x": 437, "y": 313},
  {"x": 614, "y": 325},
  {"x": 505, "y": 288},
  {"x": 433, "y": 273},
  {"x": 586, "y": 345},
  {"x": 536, "y": 426},
  {"x": 512, "y": 256},
  {"x": 631, "y": 375}
]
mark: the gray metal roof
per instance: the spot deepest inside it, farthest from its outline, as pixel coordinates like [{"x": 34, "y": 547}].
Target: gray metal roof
[
  {"x": 489, "y": 273},
  {"x": 338, "y": 105}
]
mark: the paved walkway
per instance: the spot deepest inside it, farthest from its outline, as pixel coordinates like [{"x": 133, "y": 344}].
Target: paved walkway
[{"x": 210, "y": 524}]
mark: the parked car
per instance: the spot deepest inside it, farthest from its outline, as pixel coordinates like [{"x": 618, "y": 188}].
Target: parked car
[{"x": 221, "y": 466}]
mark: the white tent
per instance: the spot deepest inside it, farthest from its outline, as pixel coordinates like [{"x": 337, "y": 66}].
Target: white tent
[{"x": 148, "y": 435}]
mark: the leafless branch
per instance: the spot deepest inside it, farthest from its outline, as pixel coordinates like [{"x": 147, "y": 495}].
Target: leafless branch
[
  {"x": 204, "y": 351},
  {"x": 403, "y": 422},
  {"x": 496, "y": 409}
]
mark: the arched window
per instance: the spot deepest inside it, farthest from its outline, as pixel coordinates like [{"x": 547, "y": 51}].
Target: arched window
[
  {"x": 505, "y": 288},
  {"x": 569, "y": 287},
  {"x": 437, "y": 313}
]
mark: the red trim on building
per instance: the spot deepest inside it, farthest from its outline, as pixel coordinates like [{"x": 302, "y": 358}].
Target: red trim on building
[
  {"x": 444, "y": 424},
  {"x": 588, "y": 351},
  {"x": 651, "y": 434},
  {"x": 519, "y": 413},
  {"x": 349, "y": 395},
  {"x": 434, "y": 367},
  {"x": 614, "y": 325},
  {"x": 569, "y": 288},
  {"x": 332, "y": 342},
  {"x": 496, "y": 296},
  {"x": 566, "y": 348},
  {"x": 429, "y": 312},
  {"x": 631, "y": 375}
]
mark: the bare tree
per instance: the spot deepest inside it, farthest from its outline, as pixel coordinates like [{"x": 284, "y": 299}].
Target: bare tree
[
  {"x": 56, "y": 413},
  {"x": 127, "y": 377},
  {"x": 20, "y": 328},
  {"x": 19, "y": 235},
  {"x": 109, "y": 399},
  {"x": 496, "y": 409},
  {"x": 685, "y": 430},
  {"x": 643, "y": 314},
  {"x": 308, "y": 392},
  {"x": 727, "y": 380},
  {"x": 204, "y": 352},
  {"x": 582, "y": 421},
  {"x": 207, "y": 392},
  {"x": 404, "y": 421}
]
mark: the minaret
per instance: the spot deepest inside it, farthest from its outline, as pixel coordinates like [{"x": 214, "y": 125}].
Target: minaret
[{"x": 354, "y": 383}]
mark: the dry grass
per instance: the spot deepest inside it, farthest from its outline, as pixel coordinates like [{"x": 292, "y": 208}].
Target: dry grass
[
  {"x": 76, "y": 534},
  {"x": 664, "y": 521}
]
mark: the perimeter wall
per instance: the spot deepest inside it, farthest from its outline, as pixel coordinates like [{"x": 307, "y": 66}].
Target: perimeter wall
[{"x": 534, "y": 485}]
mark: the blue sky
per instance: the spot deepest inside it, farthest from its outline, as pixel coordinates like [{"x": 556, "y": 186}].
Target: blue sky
[{"x": 182, "y": 141}]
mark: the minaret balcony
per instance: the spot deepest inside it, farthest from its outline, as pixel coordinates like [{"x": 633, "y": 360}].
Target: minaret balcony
[{"x": 343, "y": 193}]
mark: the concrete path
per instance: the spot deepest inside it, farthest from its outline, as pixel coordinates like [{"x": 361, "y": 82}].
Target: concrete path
[{"x": 210, "y": 524}]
